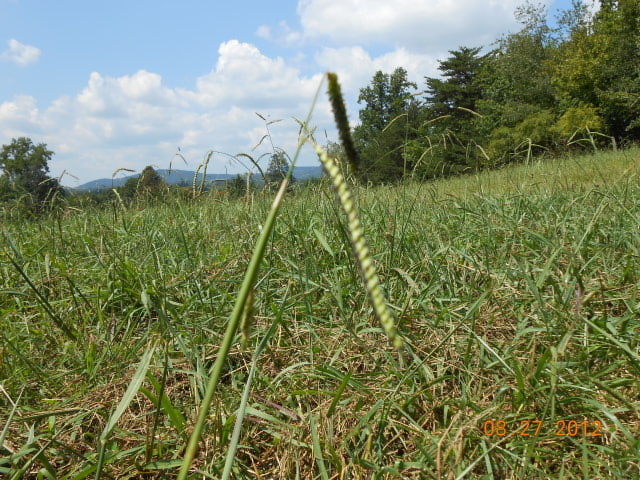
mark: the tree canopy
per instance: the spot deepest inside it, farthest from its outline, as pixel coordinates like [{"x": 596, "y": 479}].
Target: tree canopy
[
  {"x": 388, "y": 120},
  {"x": 544, "y": 88},
  {"x": 278, "y": 168},
  {"x": 148, "y": 185},
  {"x": 24, "y": 173}
]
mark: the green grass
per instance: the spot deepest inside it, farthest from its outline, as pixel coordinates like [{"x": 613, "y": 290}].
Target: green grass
[{"x": 516, "y": 293}]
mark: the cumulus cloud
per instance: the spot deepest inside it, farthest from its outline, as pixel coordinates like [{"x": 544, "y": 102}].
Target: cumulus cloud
[
  {"x": 18, "y": 115},
  {"x": 355, "y": 66},
  {"x": 135, "y": 120},
  {"x": 419, "y": 26},
  {"x": 245, "y": 77},
  {"x": 20, "y": 53}
]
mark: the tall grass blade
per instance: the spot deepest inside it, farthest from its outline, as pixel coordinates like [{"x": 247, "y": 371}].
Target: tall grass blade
[
  {"x": 68, "y": 331},
  {"x": 132, "y": 390},
  {"x": 317, "y": 449},
  {"x": 238, "y": 310}
]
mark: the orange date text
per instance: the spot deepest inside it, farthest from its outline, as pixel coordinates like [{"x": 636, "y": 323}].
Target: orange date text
[{"x": 532, "y": 428}]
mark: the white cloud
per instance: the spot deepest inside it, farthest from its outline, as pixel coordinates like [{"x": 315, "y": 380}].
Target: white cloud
[
  {"x": 20, "y": 114},
  {"x": 593, "y": 6},
  {"x": 264, "y": 31},
  {"x": 283, "y": 34},
  {"x": 135, "y": 120},
  {"x": 355, "y": 67},
  {"x": 427, "y": 27},
  {"x": 20, "y": 53},
  {"x": 245, "y": 77}
]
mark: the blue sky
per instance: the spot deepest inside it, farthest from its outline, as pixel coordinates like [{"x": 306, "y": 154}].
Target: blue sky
[{"x": 124, "y": 84}]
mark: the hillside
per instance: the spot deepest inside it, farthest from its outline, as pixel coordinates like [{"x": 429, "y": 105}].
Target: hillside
[
  {"x": 176, "y": 177},
  {"x": 515, "y": 293}
]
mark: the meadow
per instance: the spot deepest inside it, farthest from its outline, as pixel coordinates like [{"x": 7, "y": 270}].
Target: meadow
[{"x": 515, "y": 293}]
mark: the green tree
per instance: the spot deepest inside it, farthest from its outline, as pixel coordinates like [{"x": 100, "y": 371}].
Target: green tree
[
  {"x": 129, "y": 190},
  {"x": 237, "y": 186},
  {"x": 458, "y": 91},
  {"x": 516, "y": 76},
  {"x": 24, "y": 173},
  {"x": 150, "y": 181},
  {"x": 450, "y": 113},
  {"x": 148, "y": 184},
  {"x": 387, "y": 121},
  {"x": 599, "y": 65},
  {"x": 519, "y": 104},
  {"x": 278, "y": 168}
]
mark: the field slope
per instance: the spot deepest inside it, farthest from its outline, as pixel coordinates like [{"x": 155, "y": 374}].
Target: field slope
[{"x": 516, "y": 291}]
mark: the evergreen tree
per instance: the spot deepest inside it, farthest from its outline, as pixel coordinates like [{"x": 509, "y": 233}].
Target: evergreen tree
[
  {"x": 278, "y": 168},
  {"x": 459, "y": 91},
  {"x": 450, "y": 111}
]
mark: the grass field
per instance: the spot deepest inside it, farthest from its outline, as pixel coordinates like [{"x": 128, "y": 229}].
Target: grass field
[{"x": 516, "y": 293}]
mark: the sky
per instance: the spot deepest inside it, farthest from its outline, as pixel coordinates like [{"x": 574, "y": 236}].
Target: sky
[{"x": 126, "y": 84}]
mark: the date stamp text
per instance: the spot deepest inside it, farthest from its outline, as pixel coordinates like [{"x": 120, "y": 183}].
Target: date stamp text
[{"x": 531, "y": 428}]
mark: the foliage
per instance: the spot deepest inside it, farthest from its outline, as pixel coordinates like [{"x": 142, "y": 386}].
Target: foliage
[
  {"x": 577, "y": 123},
  {"x": 148, "y": 185},
  {"x": 541, "y": 89},
  {"x": 459, "y": 92},
  {"x": 237, "y": 186},
  {"x": 599, "y": 64},
  {"x": 450, "y": 106},
  {"x": 278, "y": 167},
  {"x": 388, "y": 121},
  {"x": 24, "y": 174},
  {"x": 150, "y": 181}
]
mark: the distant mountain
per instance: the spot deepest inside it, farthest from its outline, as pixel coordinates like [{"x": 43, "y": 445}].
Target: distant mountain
[
  {"x": 177, "y": 177},
  {"x": 306, "y": 173}
]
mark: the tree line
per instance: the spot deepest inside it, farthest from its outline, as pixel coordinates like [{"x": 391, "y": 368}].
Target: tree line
[
  {"x": 542, "y": 89},
  {"x": 26, "y": 187},
  {"x": 556, "y": 89}
]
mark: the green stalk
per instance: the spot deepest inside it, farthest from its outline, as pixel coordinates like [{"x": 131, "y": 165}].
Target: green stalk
[
  {"x": 360, "y": 249},
  {"x": 342, "y": 123},
  {"x": 356, "y": 233},
  {"x": 237, "y": 314}
]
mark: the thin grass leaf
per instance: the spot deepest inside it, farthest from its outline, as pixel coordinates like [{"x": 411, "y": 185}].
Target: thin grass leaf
[
  {"x": 338, "y": 395},
  {"x": 129, "y": 394},
  {"x": 43, "y": 301},
  {"x": 175, "y": 416},
  {"x": 5, "y": 430},
  {"x": 317, "y": 449},
  {"x": 242, "y": 409}
]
